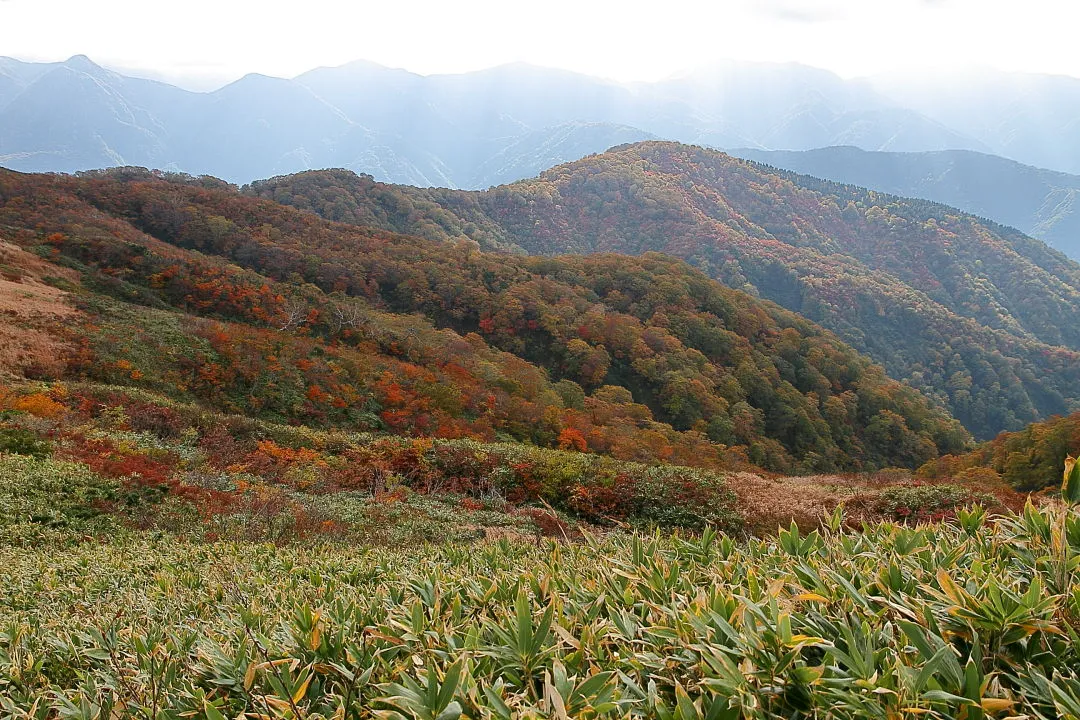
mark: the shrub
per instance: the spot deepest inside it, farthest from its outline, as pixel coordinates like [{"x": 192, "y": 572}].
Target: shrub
[
  {"x": 39, "y": 405},
  {"x": 916, "y": 502},
  {"x": 23, "y": 442},
  {"x": 161, "y": 421},
  {"x": 54, "y": 494}
]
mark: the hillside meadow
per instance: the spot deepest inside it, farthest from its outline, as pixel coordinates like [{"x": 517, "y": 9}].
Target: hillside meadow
[
  {"x": 258, "y": 464},
  {"x": 165, "y": 561}
]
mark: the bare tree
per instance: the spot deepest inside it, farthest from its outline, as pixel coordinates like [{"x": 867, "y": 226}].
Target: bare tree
[
  {"x": 293, "y": 314},
  {"x": 349, "y": 315}
]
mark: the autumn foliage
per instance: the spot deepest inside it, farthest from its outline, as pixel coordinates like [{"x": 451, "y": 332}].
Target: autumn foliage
[
  {"x": 295, "y": 319},
  {"x": 975, "y": 315}
]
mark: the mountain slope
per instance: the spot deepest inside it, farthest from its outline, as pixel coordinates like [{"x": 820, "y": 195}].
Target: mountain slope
[
  {"x": 793, "y": 106},
  {"x": 579, "y": 350},
  {"x": 1042, "y": 203},
  {"x": 15, "y": 75},
  {"x": 976, "y": 315},
  {"x": 106, "y": 122},
  {"x": 1029, "y": 459},
  {"x": 539, "y": 150}
]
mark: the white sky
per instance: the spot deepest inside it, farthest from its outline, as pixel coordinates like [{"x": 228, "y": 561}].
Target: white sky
[{"x": 203, "y": 43}]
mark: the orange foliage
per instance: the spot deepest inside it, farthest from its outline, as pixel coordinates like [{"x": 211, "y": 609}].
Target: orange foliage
[
  {"x": 572, "y": 439},
  {"x": 288, "y": 456},
  {"x": 38, "y": 404}
]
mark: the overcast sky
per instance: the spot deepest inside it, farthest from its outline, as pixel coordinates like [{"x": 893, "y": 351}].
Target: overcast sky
[{"x": 206, "y": 42}]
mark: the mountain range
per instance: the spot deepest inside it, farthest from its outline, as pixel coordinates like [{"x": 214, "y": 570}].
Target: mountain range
[
  {"x": 483, "y": 128},
  {"x": 1032, "y": 118},
  {"x": 825, "y": 326},
  {"x": 976, "y": 315}
]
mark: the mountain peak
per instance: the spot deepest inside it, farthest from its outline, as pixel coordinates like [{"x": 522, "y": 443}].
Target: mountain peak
[
  {"x": 83, "y": 63},
  {"x": 256, "y": 82}
]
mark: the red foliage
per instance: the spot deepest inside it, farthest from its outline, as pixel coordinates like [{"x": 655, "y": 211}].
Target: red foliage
[{"x": 104, "y": 458}]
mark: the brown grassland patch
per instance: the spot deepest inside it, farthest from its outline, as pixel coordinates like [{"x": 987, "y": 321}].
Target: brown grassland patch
[{"x": 31, "y": 312}]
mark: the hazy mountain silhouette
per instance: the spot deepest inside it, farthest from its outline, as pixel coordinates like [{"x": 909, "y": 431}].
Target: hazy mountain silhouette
[
  {"x": 1034, "y": 119},
  {"x": 469, "y": 130}
]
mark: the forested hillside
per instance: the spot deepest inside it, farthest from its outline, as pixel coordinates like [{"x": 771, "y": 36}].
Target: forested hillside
[
  {"x": 1040, "y": 203},
  {"x": 975, "y": 315},
  {"x": 300, "y": 320},
  {"x": 1029, "y": 459}
]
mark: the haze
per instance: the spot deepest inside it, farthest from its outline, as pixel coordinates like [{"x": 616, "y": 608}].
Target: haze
[{"x": 201, "y": 44}]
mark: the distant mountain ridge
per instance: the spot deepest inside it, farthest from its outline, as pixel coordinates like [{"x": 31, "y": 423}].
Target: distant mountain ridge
[
  {"x": 974, "y": 314},
  {"x": 1032, "y": 118},
  {"x": 78, "y": 116},
  {"x": 1042, "y": 203},
  {"x": 471, "y": 130}
]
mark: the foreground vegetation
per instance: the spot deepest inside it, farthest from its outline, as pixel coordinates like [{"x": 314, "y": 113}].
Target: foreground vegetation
[
  {"x": 975, "y": 618},
  {"x": 163, "y": 561},
  {"x": 91, "y": 459}
]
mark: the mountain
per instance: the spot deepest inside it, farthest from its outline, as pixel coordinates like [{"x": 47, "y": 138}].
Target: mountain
[
  {"x": 793, "y": 106},
  {"x": 471, "y": 130},
  {"x": 976, "y": 315},
  {"x": 1042, "y": 203},
  {"x": 539, "y": 150},
  {"x": 198, "y": 292},
  {"x": 259, "y": 125},
  {"x": 1031, "y": 118},
  {"x": 78, "y": 116}
]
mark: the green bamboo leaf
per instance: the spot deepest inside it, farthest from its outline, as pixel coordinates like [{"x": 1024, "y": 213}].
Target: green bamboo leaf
[
  {"x": 931, "y": 667},
  {"x": 449, "y": 685},
  {"x": 686, "y": 708},
  {"x": 211, "y": 711},
  {"x": 1070, "y": 486},
  {"x": 947, "y": 697}
]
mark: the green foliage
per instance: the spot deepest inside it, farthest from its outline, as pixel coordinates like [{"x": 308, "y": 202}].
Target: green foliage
[
  {"x": 969, "y": 312},
  {"x": 40, "y": 495},
  {"x": 307, "y": 321},
  {"x": 20, "y": 441},
  {"x": 1027, "y": 460},
  {"x": 939, "y": 621},
  {"x": 177, "y": 467},
  {"x": 1070, "y": 484},
  {"x": 922, "y": 501}
]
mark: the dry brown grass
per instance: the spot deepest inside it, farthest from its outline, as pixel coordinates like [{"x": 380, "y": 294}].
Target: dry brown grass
[
  {"x": 771, "y": 502},
  {"x": 768, "y": 502},
  {"x": 31, "y": 313}
]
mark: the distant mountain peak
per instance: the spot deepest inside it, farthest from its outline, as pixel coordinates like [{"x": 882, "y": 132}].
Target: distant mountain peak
[
  {"x": 83, "y": 63},
  {"x": 251, "y": 78}
]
